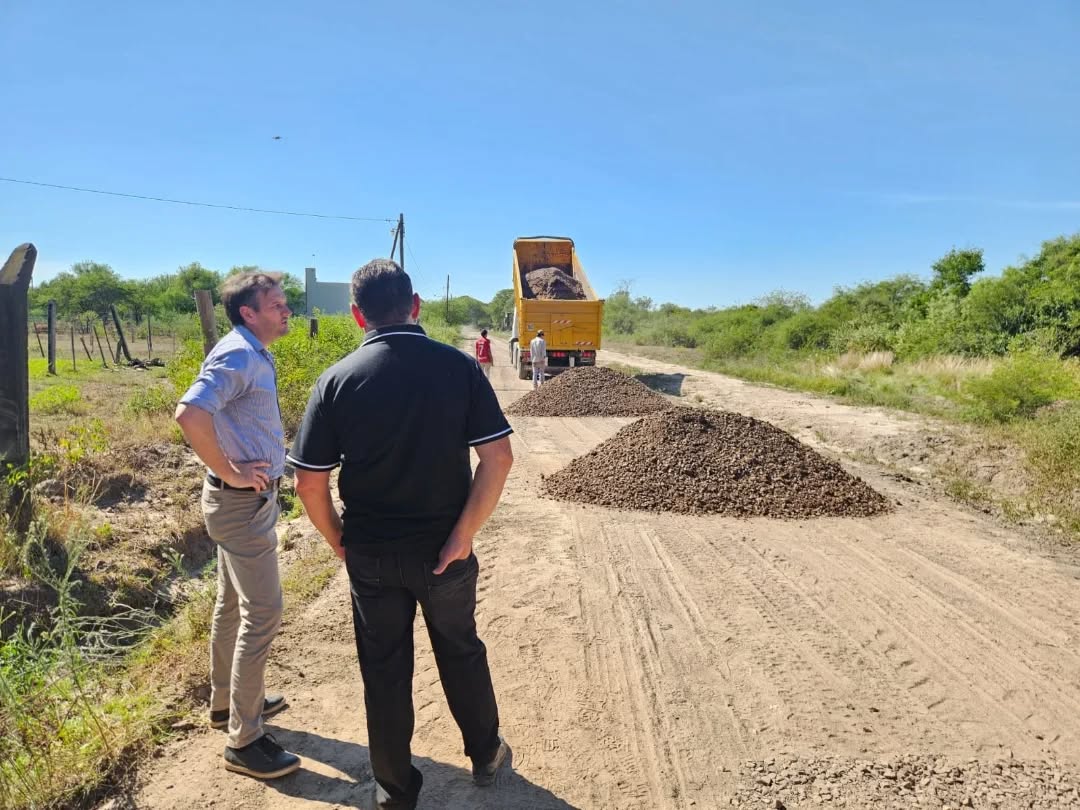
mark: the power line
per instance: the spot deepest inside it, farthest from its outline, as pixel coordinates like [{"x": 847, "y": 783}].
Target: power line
[
  {"x": 195, "y": 203},
  {"x": 416, "y": 264}
]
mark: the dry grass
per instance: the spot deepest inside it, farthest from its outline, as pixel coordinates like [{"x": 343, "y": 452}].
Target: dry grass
[{"x": 858, "y": 361}]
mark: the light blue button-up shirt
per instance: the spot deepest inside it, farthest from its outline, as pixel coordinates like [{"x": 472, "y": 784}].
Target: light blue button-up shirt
[{"x": 238, "y": 387}]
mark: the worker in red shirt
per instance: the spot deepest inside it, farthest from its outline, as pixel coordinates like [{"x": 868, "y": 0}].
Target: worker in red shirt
[{"x": 483, "y": 353}]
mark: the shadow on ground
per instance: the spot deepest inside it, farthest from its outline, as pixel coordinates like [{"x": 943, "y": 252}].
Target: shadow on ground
[
  {"x": 446, "y": 787},
  {"x": 664, "y": 383}
]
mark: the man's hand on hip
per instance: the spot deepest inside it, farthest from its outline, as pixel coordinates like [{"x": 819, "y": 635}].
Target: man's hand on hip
[
  {"x": 455, "y": 548},
  {"x": 248, "y": 474}
]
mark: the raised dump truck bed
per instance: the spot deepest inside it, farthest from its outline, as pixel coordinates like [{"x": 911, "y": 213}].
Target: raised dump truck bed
[{"x": 571, "y": 325}]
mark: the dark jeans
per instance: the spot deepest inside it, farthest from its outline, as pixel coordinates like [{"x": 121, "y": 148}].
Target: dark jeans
[{"x": 385, "y": 591}]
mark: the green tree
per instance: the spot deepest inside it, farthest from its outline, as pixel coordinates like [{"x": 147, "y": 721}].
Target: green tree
[
  {"x": 501, "y": 306},
  {"x": 87, "y": 287},
  {"x": 623, "y": 314},
  {"x": 953, "y": 271}
]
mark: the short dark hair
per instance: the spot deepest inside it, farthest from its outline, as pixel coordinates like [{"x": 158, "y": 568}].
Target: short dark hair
[
  {"x": 242, "y": 290},
  {"x": 483, "y": 333},
  {"x": 383, "y": 292}
]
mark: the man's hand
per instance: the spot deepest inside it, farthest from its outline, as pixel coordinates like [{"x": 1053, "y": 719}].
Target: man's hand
[
  {"x": 198, "y": 428},
  {"x": 248, "y": 474},
  {"x": 334, "y": 541},
  {"x": 455, "y": 548},
  {"x": 496, "y": 459}
]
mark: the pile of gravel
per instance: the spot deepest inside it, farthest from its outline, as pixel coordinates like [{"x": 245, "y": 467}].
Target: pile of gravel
[
  {"x": 553, "y": 283},
  {"x": 904, "y": 782},
  {"x": 699, "y": 462},
  {"x": 590, "y": 391}
]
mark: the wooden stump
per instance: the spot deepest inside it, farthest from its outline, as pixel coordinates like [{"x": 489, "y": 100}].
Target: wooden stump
[{"x": 14, "y": 377}]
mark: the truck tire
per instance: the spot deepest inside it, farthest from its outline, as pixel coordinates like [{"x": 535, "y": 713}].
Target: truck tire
[{"x": 523, "y": 371}]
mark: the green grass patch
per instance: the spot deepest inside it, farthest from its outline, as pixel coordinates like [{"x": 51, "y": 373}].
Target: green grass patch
[
  {"x": 291, "y": 505},
  {"x": 56, "y": 399},
  {"x": 67, "y": 718},
  {"x": 309, "y": 573},
  {"x": 79, "y": 700},
  {"x": 433, "y": 319},
  {"x": 152, "y": 401}
]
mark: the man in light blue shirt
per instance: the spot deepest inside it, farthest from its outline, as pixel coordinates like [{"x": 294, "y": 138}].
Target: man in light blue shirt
[{"x": 231, "y": 418}]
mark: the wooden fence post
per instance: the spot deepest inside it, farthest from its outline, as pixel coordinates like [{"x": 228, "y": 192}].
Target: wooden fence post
[
  {"x": 37, "y": 334},
  {"x": 104, "y": 362},
  {"x": 205, "y": 306},
  {"x": 105, "y": 333},
  {"x": 120, "y": 341},
  {"x": 313, "y": 327},
  {"x": 14, "y": 377},
  {"x": 52, "y": 337}
]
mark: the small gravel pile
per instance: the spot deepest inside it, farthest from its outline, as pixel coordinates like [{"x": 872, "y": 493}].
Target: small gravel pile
[
  {"x": 553, "y": 283},
  {"x": 699, "y": 462},
  {"x": 590, "y": 391},
  {"x": 905, "y": 782}
]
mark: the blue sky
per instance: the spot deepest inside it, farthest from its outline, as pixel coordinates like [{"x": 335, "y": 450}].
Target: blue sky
[{"x": 707, "y": 152}]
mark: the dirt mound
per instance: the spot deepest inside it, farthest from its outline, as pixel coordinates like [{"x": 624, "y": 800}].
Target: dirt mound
[
  {"x": 554, "y": 283},
  {"x": 697, "y": 461},
  {"x": 590, "y": 391}
]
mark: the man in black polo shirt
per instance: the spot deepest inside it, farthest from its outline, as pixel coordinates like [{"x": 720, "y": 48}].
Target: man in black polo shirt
[{"x": 399, "y": 415}]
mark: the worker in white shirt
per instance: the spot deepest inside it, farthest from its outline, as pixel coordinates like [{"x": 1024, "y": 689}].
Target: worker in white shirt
[{"x": 538, "y": 355}]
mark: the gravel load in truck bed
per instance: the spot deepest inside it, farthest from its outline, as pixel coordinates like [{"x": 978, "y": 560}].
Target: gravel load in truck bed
[
  {"x": 590, "y": 391},
  {"x": 699, "y": 461},
  {"x": 553, "y": 283}
]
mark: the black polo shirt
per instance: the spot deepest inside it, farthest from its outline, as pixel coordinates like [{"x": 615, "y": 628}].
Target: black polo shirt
[{"x": 399, "y": 415}]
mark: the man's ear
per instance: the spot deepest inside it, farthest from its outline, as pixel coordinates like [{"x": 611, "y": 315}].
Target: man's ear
[
  {"x": 415, "y": 314},
  {"x": 249, "y": 314},
  {"x": 358, "y": 316}
]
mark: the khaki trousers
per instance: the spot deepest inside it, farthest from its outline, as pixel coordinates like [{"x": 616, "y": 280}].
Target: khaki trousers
[{"x": 247, "y": 614}]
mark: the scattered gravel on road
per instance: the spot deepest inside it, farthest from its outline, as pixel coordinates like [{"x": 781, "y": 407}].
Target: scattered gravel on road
[{"x": 904, "y": 782}]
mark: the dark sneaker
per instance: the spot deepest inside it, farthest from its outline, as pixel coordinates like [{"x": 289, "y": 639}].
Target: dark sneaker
[
  {"x": 484, "y": 775},
  {"x": 271, "y": 706},
  {"x": 263, "y": 759}
]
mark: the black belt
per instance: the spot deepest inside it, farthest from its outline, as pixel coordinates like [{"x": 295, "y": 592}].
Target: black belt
[{"x": 217, "y": 483}]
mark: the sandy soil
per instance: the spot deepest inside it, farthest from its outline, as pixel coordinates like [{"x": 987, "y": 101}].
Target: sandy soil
[{"x": 641, "y": 660}]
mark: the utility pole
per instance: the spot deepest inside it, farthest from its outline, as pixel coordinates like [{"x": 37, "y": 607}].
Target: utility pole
[
  {"x": 448, "y": 298},
  {"x": 401, "y": 240}
]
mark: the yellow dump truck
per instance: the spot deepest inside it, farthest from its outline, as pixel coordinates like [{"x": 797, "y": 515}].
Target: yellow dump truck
[{"x": 571, "y": 325}]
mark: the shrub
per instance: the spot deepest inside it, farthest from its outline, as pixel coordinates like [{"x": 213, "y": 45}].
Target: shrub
[
  {"x": 804, "y": 331},
  {"x": 1019, "y": 386},
  {"x": 940, "y": 332},
  {"x": 862, "y": 337}
]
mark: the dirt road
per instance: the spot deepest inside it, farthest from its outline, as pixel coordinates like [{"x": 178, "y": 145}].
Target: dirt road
[{"x": 641, "y": 660}]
